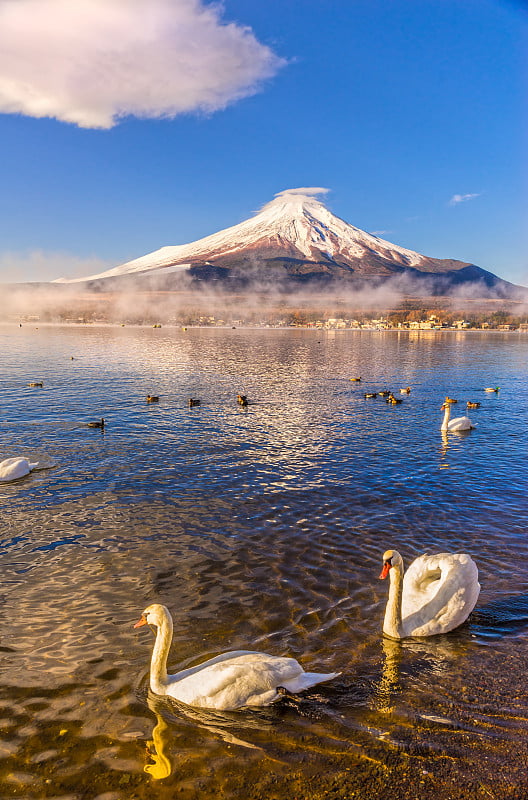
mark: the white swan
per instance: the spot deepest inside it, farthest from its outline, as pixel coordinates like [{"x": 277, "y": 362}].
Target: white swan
[
  {"x": 228, "y": 681},
  {"x": 456, "y": 424},
  {"x": 13, "y": 468},
  {"x": 436, "y": 594}
]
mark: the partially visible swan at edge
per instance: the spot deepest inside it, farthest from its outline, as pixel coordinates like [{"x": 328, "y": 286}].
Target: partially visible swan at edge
[
  {"x": 456, "y": 424},
  {"x": 228, "y": 681},
  {"x": 436, "y": 594},
  {"x": 13, "y": 468}
]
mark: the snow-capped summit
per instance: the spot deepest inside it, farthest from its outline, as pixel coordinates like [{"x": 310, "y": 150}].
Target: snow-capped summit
[
  {"x": 294, "y": 224},
  {"x": 293, "y": 237}
]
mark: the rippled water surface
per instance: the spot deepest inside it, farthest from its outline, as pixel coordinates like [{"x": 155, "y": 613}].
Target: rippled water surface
[{"x": 260, "y": 527}]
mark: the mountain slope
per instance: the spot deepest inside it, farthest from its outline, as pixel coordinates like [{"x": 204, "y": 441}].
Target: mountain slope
[{"x": 294, "y": 237}]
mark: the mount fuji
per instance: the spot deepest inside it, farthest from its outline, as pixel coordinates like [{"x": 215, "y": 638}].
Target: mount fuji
[{"x": 294, "y": 238}]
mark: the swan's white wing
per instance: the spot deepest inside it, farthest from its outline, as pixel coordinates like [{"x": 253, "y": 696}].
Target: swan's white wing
[
  {"x": 235, "y": 679},
  {"x": 439, "y": 593},
  {"x": 13, "y": 468},
  {"x": 460, "y": 424}
]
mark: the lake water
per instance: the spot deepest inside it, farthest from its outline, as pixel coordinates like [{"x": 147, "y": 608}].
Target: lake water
[{"x": 260, "y": 527}]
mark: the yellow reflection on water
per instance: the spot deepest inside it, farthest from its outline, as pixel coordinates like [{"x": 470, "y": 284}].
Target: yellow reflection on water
[
  {"x": 444, "y": 463},
  {"x": 160, "y": 766},
  {"x": 390, "y": 676},
  {"x": 447, "y": 445}
]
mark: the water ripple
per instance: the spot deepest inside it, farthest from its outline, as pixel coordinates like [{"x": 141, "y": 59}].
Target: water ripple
[{"x": 259, "y": 527}]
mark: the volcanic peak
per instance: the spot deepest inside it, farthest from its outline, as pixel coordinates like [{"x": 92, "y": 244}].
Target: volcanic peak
[{"x": 295, "y": 223}]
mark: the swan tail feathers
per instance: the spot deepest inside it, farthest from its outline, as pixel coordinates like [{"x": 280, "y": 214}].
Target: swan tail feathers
[{"x": 308, "y": 679}]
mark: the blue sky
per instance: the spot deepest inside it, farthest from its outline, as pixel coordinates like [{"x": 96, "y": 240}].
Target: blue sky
[{"x": 128, "y": 125}]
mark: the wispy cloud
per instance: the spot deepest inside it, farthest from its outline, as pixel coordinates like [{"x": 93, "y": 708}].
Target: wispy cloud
[
  {"x": 310, "y": 191},
  {"x": 463, "y": 198},
  {"x": 92, "y": 62},
  {"x": 36, "y": 265}
]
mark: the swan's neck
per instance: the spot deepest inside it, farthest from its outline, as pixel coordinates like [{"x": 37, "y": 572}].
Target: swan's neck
[
  {"x": 392, "y": 624},
  {"x": 447, "y": 414},
  {"x": 158, "y": 662}
]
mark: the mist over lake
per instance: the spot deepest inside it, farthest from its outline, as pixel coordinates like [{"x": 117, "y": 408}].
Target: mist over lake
[{"x": 260, "y": 527}]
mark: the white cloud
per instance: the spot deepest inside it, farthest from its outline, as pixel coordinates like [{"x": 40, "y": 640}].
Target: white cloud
[
  {"x": 462, "y": 198},
  {"x": 307, "y": 191},
  {"x": 36, "y": 265},
  {"x": 90, "y": 62}
]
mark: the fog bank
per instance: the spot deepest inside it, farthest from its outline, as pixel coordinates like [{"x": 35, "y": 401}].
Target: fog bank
[{"x": 133, "y": 303}]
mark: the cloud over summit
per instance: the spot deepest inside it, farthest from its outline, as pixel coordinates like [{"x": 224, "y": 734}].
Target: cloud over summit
[{"x": 91, "y": 62}]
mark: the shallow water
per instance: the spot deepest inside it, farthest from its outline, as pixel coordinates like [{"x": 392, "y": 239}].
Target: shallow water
[{"x": 260, "y": 527}]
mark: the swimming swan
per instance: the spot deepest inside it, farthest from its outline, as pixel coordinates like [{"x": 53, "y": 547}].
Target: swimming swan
[
  {"x": 436, "y": 594},
  {"x": 228, "y": 681},
  {"x": 13, "y": 468},
  {"x": 456, "y": 424}
]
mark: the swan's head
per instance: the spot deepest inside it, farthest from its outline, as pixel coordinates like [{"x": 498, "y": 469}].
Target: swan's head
[
  {"x": 391, "y": 558},
  {"x": 154, "y": 614}
]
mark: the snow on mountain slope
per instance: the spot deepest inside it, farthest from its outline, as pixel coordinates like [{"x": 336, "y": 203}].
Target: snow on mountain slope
[{"x": 294, "y": 222}]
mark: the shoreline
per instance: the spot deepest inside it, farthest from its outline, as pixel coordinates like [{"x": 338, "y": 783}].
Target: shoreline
[{"x": 310, "y": 328}]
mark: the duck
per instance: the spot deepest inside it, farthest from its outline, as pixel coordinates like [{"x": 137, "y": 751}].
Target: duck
[
  {"x": 368, "y": 395},
  {"x": 228, "y": 681},
  {"x": 456, "y": 424},
  {"x": 97, "y": 424},
  {"x": 355, "y": 379},
  {"x": 470, "y": 404},
  {"x": 385, "y": 393},
  {"x": 13, "y": 468},
  {"x": 435, "y": 595},
  {"x": 36, "y": 383},
  {"x": 152, "y": 398},
  {"x": 393, "y": 400},
  {"x": 407, "y": 390},
  {"x": 491, "y": 389},
  {"x": 242, "y": 399},
  {"x": 450, "y": 400},
  {"x": 193, "y": 401}
]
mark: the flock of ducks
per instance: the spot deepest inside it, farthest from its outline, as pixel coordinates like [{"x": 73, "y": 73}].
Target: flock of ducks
[
  {"x": 11, "y": 469},
  {"x": 14, "y": 468},
  {"x": 448, "y": 424},
  {"x": 192, "y": 402},
  {"x": 434, "y": 596},
  {"x": 387, "y": 394}
]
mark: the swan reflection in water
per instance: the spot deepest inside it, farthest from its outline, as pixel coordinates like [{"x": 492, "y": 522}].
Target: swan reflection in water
[
  {"x": 160, "y": 765},
  {"x": 447, "y": 444},
  {"x": 167, "y": 710},
  {"x": 423, "y": 657},
  {"x": 389, "y": 683}
]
